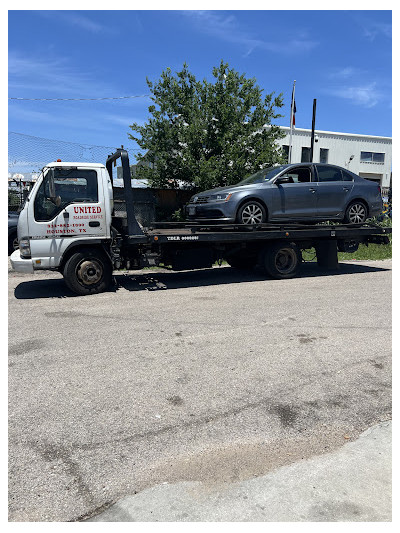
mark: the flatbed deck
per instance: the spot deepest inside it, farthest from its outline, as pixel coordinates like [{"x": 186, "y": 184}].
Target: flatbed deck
[{"x": 164, "y": 232}]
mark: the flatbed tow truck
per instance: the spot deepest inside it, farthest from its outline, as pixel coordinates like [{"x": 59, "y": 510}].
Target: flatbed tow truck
[{"x": 69, "y": 224}]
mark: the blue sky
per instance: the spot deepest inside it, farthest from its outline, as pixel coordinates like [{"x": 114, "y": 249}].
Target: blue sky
[{"x": 341, "y": 58}]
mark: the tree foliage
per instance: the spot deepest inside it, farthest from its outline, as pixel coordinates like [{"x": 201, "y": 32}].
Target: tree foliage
[{"x": 207, "y": 134}]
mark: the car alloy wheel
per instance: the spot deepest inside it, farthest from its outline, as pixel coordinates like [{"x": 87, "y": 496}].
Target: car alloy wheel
[
  {"x": 357, "y": 213},
  {"x": 252, "y": 213}
]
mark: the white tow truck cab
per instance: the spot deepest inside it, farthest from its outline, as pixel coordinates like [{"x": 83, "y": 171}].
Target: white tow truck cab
[{"x": 68, "y": 224}]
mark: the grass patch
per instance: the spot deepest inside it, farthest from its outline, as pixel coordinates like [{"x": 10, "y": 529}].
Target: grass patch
[{"x": 373, "y": 252}]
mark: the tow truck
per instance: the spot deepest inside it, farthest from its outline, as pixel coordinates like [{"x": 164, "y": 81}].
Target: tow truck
[{"x": 69, "y": 224}]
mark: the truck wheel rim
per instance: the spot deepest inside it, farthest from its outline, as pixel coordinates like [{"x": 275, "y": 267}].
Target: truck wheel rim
[
  {"x": 252, "y": 214},
  {"x": 89, "y": 272},
  {"x": 15, "y": 244},
  {"x": 357, "y": 214},
  {"x": 285, "y": 260}
]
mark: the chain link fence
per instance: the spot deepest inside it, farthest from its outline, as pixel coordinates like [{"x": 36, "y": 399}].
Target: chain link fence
[{"x": 27, "y": 155}]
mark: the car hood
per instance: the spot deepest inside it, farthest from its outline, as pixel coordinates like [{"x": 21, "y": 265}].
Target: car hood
[{"x": 229, "y": 188}]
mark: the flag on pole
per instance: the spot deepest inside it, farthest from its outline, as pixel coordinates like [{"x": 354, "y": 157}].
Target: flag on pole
[{"x": 293, "y": 109}]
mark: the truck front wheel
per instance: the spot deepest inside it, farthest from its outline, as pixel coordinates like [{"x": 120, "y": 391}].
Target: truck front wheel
[{"x": 88, "y": 272}]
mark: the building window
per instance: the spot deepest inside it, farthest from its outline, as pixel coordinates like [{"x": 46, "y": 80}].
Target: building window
[
  {"x": 305, "y": 154},
  {"x": 372, "y": 157},
  {"x": 323, "y": 155},
  {"x": 285, "y": 150}
]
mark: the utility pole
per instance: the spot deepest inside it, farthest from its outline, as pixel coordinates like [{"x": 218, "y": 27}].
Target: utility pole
[
  {"x": 292, "y": 112},
  {"x": 313, "y": 130}
]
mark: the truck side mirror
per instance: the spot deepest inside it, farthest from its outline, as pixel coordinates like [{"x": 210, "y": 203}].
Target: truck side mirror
[{"x": 52, "y": 187}]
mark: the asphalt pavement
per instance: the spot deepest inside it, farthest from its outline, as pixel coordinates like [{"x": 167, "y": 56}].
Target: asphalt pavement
[{"x": 210, "y": 379}]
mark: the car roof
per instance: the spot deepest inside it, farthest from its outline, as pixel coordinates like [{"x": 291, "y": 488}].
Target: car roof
[{"x": 308, "y": 163}]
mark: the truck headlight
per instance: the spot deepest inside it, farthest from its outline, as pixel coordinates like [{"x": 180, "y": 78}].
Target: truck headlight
[{"x": 25, "y": 247}]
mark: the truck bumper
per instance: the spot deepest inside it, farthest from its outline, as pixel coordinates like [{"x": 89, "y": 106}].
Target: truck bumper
[{"x": 20, "y": 264}]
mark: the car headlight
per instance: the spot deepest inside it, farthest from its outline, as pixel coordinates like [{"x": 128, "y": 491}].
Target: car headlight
[
  {"x": 25, "y": 247},
  {"x": 220, "y": 197}
]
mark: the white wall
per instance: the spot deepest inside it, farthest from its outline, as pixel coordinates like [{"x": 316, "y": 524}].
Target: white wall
[{"x": 341, "y": 147}]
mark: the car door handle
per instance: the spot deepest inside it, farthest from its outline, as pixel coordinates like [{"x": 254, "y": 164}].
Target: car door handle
[
  {"x": 346, "y": 189},
  {"x": 94, "y": 223},
  {"x": 312, "y": 189}
]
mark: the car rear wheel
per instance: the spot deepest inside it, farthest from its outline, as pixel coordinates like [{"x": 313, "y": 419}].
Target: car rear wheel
[
  {"x": 356, "y": 213},
  {"x": 251, "y": 212}
]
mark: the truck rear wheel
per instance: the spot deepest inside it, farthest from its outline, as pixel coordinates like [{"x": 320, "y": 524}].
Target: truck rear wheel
[
  {"x": 281, "y": 260},
  {"x": 88, "y": 272}
]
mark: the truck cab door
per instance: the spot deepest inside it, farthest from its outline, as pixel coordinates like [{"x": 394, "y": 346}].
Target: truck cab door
[{"x": 68, "y": 205}]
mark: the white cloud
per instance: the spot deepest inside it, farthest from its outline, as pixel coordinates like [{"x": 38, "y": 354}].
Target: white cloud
[
  {"x": 344, "y": 73},
  {"x": 227, "y": 28},
  {"x": 372, "y": 30},
  {"x": 77, "y": 19},
  {"x": 363, "y": 95}
]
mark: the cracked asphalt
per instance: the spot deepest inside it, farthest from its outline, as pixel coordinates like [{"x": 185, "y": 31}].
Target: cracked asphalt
[{"x": 212, "y": 376}]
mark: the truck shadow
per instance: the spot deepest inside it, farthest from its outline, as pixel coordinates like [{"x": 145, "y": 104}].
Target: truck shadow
[
  {"x": 225, "y": 275},
  {"x": 161, "y": 280}
]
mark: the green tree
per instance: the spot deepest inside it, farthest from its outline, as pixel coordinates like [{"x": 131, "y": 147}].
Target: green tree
[{"x": 207, "y": 134}]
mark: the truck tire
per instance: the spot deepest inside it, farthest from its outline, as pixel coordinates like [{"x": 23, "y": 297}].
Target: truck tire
[
  {"x": 88, "y": 272},
  {"x": 281, "y": 260}
]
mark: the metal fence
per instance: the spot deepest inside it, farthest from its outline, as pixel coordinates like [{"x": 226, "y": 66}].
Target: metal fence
[{"x": 27, "y": 155}]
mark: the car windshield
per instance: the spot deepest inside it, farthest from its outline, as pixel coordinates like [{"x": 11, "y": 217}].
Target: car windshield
[{"x": 266, "y": 174}]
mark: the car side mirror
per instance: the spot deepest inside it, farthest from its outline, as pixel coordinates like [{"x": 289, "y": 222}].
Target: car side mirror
[{"x": 283, "y": 179}]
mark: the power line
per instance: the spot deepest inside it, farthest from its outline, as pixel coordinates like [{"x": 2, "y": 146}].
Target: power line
[{"x": 80, "y": 99}]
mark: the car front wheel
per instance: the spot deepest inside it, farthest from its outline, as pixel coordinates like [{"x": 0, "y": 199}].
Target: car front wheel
[{"x": 251, "y": 212}]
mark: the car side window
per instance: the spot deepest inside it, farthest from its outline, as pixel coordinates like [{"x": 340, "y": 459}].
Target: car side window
[
  {"x": 328, "y": 173},
  {"x": 71, "y": 186},
  {"x": 298, "y": 175},
  {"x": 347, "y": 176}
]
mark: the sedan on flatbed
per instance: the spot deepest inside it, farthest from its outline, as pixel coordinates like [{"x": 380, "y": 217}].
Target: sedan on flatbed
[{"x": 301, "y": 192}]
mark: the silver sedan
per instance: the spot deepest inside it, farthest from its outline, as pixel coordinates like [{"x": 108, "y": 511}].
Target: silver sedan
[{"x": 291, "y": 193}]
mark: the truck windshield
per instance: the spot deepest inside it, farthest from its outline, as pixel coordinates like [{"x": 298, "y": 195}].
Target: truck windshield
[{"x": 266, "y": 174}]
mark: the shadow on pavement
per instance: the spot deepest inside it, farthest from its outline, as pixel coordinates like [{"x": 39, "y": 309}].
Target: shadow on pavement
[{"x": 148, "y": 280}]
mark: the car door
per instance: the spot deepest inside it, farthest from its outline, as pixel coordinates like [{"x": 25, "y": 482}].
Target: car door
[
  {"x": 77, "y": 211},
  {"x": 333, "y": 191},
  {"x": 295, "y": 194}
]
